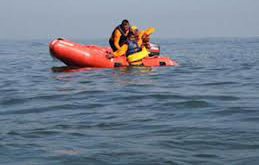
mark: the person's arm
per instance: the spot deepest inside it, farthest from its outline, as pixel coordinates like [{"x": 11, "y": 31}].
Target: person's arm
[
  {"x": 117, "y": 37},
  {"x": 121, "y": 51},
  {"x": 140, "y": 41},
  {"x": 149, "y": 31},
  {"x": 145, "y": 35}
]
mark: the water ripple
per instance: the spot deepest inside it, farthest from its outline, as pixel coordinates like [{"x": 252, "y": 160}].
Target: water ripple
[{"x": 202, "y": 112}]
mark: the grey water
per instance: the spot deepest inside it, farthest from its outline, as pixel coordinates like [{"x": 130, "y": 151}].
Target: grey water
[{"x": 205, "y": 111}]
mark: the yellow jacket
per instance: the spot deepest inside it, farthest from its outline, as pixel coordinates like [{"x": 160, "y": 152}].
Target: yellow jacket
[
  {"x": 117, "y": 36},
  {"x": 122, "y": 51}
]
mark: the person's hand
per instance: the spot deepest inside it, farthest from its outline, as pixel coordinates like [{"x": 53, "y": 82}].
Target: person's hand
[{"x": 109, "y": 56}]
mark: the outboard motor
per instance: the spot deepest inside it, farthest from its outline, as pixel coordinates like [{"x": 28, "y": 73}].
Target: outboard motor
[{"x": 154, "y": 49}]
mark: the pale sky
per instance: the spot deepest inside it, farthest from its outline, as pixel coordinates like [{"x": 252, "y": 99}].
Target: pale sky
[{"x": 90, "y": 19}]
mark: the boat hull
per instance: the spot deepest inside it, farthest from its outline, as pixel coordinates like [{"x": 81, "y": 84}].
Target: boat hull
[{"x": 75, "y": 54}]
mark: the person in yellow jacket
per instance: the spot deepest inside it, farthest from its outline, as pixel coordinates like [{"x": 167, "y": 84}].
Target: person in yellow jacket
[
  {"x": 119, "y": 35},
  {"x": 133, "y": 51},
  {"x": 143, "y": 36}
]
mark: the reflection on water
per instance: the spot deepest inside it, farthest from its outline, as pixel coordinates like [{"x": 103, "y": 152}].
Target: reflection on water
[
  {"x": 135, "y": 75},
  {"x": 63, "y": 68},
  {"x": 72, "y": 69},
  {"x": 121, "y": 76},
  {"x": 134, "y": 70}
]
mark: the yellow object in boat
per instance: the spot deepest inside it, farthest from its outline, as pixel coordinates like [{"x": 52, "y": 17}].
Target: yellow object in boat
[{"x": 138, "y": 56}]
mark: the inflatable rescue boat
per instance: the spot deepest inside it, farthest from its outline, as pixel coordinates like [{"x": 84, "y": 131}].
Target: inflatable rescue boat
[{"x": 75, "y": 54}]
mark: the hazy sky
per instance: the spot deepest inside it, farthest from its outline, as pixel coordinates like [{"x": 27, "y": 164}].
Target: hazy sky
[{"x": 48, "y": 19}]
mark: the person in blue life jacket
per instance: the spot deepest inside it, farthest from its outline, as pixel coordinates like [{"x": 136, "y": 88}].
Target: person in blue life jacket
[
  {"x": 119, "y": 35},
  {"x": 132, "y": 43},
  {"x": 133, "y": 51}
]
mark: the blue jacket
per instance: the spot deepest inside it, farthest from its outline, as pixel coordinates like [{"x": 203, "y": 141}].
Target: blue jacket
[{"x": 132, "y": 48}]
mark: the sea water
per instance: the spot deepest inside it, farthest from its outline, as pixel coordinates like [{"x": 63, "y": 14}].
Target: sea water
[{"x": 205, "y": 111}]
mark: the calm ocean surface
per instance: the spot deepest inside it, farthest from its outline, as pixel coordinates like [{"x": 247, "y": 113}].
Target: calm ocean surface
[{"x": 205, "y": 111}]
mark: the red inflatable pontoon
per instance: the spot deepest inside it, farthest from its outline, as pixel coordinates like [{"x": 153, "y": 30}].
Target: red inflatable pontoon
[{"x": 74, "y": 54}]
